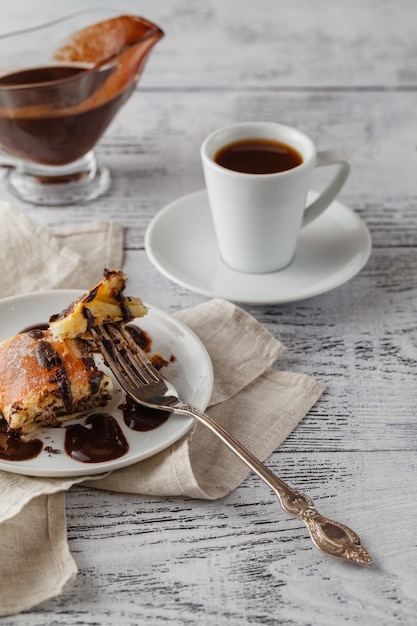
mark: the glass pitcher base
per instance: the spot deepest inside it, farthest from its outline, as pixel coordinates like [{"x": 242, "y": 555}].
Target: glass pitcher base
[{"x": 44, "y": 185}]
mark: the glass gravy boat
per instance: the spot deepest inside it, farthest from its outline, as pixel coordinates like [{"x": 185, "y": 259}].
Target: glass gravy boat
[{"x": 61, "y": 84}]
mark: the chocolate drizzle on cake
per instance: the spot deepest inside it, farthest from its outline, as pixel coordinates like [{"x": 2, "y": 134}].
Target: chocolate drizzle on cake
[
  {"x": 125, "y": 311},
  {"x": 89, "y": 317},
  {"x": 89, "y": 297},
  {"x": 35, "y": 331},
  {"x": 48, "y": 358}
]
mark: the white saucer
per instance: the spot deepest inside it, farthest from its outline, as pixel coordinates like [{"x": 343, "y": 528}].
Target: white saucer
[{"x": 180, "y": 242}]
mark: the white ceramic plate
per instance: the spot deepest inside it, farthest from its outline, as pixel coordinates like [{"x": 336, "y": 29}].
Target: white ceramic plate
[
  {"x": 191, "y": 372},
  {"x": 181, "y": 244}
]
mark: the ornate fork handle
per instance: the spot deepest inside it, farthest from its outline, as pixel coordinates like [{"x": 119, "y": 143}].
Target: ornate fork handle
[{"x": 332, "y": 537}]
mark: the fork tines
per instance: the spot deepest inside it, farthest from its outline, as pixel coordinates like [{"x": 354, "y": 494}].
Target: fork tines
[{"x": 123, "y": 355}]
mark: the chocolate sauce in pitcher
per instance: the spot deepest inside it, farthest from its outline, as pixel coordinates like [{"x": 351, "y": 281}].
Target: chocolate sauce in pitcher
[
  {"x": 54, "y": 114},
  {"x": 49, "y": 115}
]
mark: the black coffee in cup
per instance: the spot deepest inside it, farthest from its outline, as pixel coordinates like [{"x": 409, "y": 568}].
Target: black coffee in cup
[{"x": 258, "y": 156}]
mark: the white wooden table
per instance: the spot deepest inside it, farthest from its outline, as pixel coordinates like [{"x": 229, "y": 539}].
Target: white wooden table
[{"x": 345, "y": 73}]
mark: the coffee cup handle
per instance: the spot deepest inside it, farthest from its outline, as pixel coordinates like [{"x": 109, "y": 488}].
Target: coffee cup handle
[{"x": 328, "y": 157}]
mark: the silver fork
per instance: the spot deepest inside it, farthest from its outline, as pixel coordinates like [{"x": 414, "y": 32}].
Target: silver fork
[{"x": 146, "y": 385}]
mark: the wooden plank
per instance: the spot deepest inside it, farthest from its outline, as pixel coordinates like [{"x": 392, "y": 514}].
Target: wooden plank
[
  {"x": 299, "y": 44},
  {"x": 241, "y": 560}
]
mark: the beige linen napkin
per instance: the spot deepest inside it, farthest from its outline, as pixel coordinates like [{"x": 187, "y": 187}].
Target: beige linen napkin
[
  {"x": 71, "y": 257},
  {"x": 260, "y": 405}
]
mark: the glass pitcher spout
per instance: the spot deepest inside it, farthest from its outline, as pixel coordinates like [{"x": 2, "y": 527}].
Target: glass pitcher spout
[{"x": 114, "y": 51}]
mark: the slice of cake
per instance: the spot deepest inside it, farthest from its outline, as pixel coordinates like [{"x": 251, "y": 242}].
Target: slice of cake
[
  {"x": 103, "y": 304},
  {"x": 44, "y": 381},
  {"x": 47, "y": 376}
]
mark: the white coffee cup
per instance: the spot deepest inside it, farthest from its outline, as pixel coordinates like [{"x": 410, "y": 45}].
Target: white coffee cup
[{"x": 258, "y": 217}]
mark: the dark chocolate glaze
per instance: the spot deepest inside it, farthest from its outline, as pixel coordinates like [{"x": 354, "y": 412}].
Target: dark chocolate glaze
[
  {"x": 35, "y": 330},
  {"x": 46, "y": 356},
  {"x": 104, "y": 441},
  {"x": 140, "y": 337},
  {"x": 89, "y": 317},
  {"x": 60, "y": 377},
  {"x": 125, "y": 311},
  {"x": 96, "y": 376},
  {"x": 141, "y": 418},
  {"x": 13, "y": 448},
  {"x": 89, "y": 297},
  {"x": 95, "y": 381}
]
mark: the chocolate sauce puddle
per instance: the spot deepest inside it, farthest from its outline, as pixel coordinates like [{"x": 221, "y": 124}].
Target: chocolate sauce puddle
[
  {"x": 142, "y": 418},
  {"x": 104, "y": 441},
  {"x": 13, "y": 448},
  {"x": 140, "y": 337}
]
